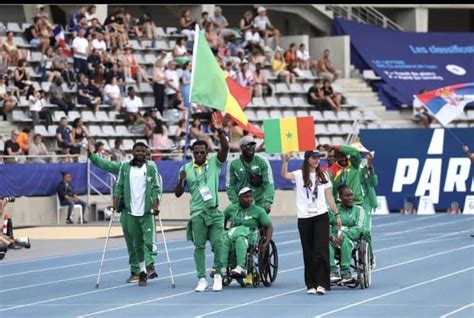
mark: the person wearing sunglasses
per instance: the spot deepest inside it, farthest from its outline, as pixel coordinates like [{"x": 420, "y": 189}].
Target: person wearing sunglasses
[
  {"x": 313, "y": 196},
  {"x": 253, "y": 171},
  {"x": 201, "y": 177}
]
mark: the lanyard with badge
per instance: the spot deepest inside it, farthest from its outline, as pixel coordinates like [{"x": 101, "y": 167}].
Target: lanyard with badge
[
  {"x": 312, "y": 197},
  {"x": 203, "y": 188}
]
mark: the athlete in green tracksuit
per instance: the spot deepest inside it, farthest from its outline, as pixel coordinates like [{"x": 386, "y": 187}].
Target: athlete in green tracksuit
[
  {"x": 137, "y": 193},
  {"x": 114, "y": 167},
  {"x": 206, "y": 222},
  {"x": 369, "y": 182},
  {"x": 253, "y": 171},
  {"x": 347, "y": 170},
  {"x": 245, "y": 218},
  {"x": 353, "y": 218}
]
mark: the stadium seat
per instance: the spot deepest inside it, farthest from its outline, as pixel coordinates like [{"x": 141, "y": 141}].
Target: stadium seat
[
  {"x": 102, "y": 116},
  {"x": 52, "y": 130},
  {"x": 171, "y": 30},
  {"x": 286, "y": 101},
  {"x": 139, "y": 58},
  {"x": 162, "y": 45},
  {"x": 250, "y": 114},
  {"x": 258, "y": 102},
  {"x": 128, "y": 144},
  {"x": 296, "y": 88},
  {"x": 150, "y": 59},
  {"x": 372, "y": 126},
  {"x": 40, "y": 129},
  {"x": 289, "y": 113},
  {"x": 282, "y": 88},
  {"x": 123, "y": 131},
  {"x": 274, "y": 113},
  {"x": 307, "y": 86},
  {"x": 318, "y": 117},
  {"x": 14, "y": 27},
  {"x": 338, "y": 140},
  {"x": 135, "y": 45},
  {"x": 95, "y": 131},
  {"x": 470, "y": 114},
  {"x": 145, "y": 88},
  {"x": 262, "y": 114},
  {"x": 108, "y": 130},
  {"x": 149, "y": 100},
  {"x": 161, "y": 32},
  {"x": 320, "y": 129},
  {"x": 20, "y": 116},
  {"x": 72, "y": 115},
  {"x": 334, "y": 129},
  {"x": 302, "y": 113},
  {"x": 112, "y": 117},
  {"x": 329, "y": 115},
  {"x": 324, "y": 140},
  {"x": 356, "y": 115},
  {"x": 88, "y": 116},
  {"x": 370, "y": 115},
  {"x": 172, "y": 130},
  {"x": 299, "y": 101},
  {"x": 346, "y": 128},
  {"x": 45, "y": 86},
  {"x": 343, "y": 115},
  {"x": 36, "y": 57},
  {"x": 172, "y": 115},
  {"x": 272, "y": 102},
  {"x": 21, "y": 42}
]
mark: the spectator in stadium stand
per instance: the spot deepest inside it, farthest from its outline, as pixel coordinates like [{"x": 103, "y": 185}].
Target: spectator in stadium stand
[
  {"x": 279, "y": 68},
  {"x": 261, "y": 86},
  {"x": 234, "y": 46},
  {"x": 221, "y": 47},
  {"x": 95, "y": 27},
  {"x": 98, "y": 43},
  {"x": 117, "y": 153},
  {"x": 99, "y": 150},
  {"x": 172, "y": 82},
  {"x": 204, "y": 19},
  {"x": 80, "y": 47},
  {"x": 45, "y": 32},
  {"x": 196, "y": 132},
  {"x": 132, "y": 104},
  {"x": 266, "y": 29},
  {"x": 82, "y": 25},
  {"x": 59, "y": 98},
  {"x": 7, "y": 100},
  {"x": 249, "y": 31},
  {"x": 186, "y": 84},
  {"x": 23, "y": 140},
  {"x": 68, "y": 197},
  {"x": 38, "y": 148},
  {"x": 334, "y": 99},
  {"x": 36, "y": 102},
  {"x": 46, "y": 66},
  {"x": 231, "y": 70},
  {"x": 39, "y": 12},
  {"x": 159, "y": 84},
  {"x": 159, "y": 138},
  {"x": 75, "y": 17},
  {"x": 211, "y": 36},
  {"x": 90, "y": 13},
  {"x": 94, "y": 65},
  {"x": 180, "y": 134},
  {"x": 122, "y": 18},
  {"x": 12, "y": 54},
  {"x": 315, "y": 96},
  {"x": 420, "y": 113},
  {"x": 12, "y": 148},
  {"x": 130, "y": 66},
  {"x": 290, "y": 57},
  {"x": 187, "y": 24},
  {"x": 61, "y": 65},
  {"x": 114, "y": 37},
  {"x": 115, "y": 71},
  {"x": 32, "y": 36},
  {"x": 112, "y": 94},
  {"x": 11, "y": 84},
  {"x": 79, "y": 133},
  {"x": 302, "y": 57},
  {"x": 84, "y": 94},
  {"x": 180, "y": 53},
  {"x": 221, "y": 24},
  {"x": 64, "y": 138},
  {"x": 245, "y": 77},
  {"x": 146, "y": 28},
  {"x": 21, "y": 77},
  {"x": 325, "y": 68}
]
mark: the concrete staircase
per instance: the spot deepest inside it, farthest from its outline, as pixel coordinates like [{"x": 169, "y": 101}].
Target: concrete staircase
[{"x": 359, "y": 92}]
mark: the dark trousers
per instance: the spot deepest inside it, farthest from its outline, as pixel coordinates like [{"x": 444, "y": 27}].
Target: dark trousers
[
  {"x": 44, "y": 114},
  {"x": 63, "y": 104},
  {"x": 71, "y": 204},
  {"x": 314, "y": 235},
  {"x": 159, "y": 92},
  {"x": 80, "y": 66}
]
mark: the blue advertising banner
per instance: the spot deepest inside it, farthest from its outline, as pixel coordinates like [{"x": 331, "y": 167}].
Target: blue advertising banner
[
  {"x": 409, "y": 61},
  {"x": 421, "y": 162}
]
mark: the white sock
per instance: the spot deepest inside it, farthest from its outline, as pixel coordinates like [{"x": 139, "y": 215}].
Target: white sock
[{"x": 142, "y": 267}]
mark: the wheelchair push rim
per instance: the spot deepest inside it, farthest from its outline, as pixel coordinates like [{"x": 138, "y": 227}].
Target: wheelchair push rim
[{"x": 268, "y": 264}]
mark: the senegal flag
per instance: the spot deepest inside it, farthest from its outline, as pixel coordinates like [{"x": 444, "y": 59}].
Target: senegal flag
[
  {"x": 289, "y": 134},
  {"x": 209, "y": 85}
]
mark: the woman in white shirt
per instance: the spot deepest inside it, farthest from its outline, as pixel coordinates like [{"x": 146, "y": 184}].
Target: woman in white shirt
[
  {"x": 313, "y": 196},
  {"x": 112, "y": 95}
]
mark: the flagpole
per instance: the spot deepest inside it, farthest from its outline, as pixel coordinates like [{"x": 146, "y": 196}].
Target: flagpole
[
  {"x": 444, "y": 127},
  {"x": 188, "y": 119}
]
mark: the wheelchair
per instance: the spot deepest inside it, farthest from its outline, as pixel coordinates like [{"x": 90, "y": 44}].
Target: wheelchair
[
  {"x": 360, "y": 264},
  {"x": 262, "y": 267}
]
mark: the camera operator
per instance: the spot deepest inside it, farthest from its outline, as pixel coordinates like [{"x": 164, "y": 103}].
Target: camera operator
[{"x": 7, "y": 241}]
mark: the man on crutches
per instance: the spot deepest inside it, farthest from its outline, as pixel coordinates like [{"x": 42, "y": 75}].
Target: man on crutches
[
  {"x": 114, "y": 168},
  {"x": 137, "y": 191}
]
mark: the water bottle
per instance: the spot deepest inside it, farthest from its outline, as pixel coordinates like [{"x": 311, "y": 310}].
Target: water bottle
[{"x": 83, "y": 154}]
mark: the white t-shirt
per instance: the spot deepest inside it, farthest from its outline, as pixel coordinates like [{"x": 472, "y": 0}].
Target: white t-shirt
[
  {"x": 132, "y": 105},
  {"x": 99, "y": 45},
  {"x": 173, "y": 77},
  {"x": 261, "y": 22},
  {"x": 137, "y": 190},
  {"x": 304, "y": 56},
  {"x": 80, "y": 45},
  {"x": 35, "y": 106},
  {"x": 111, "y": 91},
  {"x": 304, "y": 196}
]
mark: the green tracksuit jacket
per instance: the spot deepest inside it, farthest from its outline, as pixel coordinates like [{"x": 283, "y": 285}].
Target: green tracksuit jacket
[
  {"x": 237, "y": 177},
  {"x": 369, "y": 182}
]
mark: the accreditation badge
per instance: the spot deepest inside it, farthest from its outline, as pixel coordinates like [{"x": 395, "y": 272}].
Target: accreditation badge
[{"x": 205, "y": 193}]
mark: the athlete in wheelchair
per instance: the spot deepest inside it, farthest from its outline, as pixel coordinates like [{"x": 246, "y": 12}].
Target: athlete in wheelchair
[
  {"x": 349, "y": 244},
  {"x": 248, "y": 248}
]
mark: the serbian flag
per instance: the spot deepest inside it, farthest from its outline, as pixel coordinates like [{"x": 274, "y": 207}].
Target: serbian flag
[
  {"x": 209, "y": 83},
  {"x": 447, "y": 103},
  {"x": 289, "y": 134},
  {"x": 60, "y": 40}
]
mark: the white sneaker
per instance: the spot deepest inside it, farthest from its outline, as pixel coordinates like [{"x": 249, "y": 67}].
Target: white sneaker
[
  {"x": 217, "y": 286},
  {"x": 321, "y": 290},
  {"x": 202, "y": 285},
  {"x": 238, "y": 270},
  {"x": 312, "y": 291}
]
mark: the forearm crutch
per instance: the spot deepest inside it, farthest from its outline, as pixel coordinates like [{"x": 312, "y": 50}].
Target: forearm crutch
[
  {"x": 105, "y": 248},
  {"x": 173, "y": 285}
]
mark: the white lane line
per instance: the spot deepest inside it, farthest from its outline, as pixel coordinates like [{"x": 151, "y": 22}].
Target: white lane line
[
  {"x": 376, "y": 270},
  {"x": 376, "y": 226},
  {"x": 457, "y": 310},
  {"x": 395, "y": 292},
  {"x": 420, "y": 228}
]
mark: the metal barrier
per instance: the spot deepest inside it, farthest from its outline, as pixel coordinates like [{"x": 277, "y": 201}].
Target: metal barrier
[{"x": 364, "y": 14}]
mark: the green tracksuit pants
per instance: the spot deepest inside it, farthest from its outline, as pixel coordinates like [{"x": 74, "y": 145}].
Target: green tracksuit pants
[
  {"x": 237, "y": 239},
  {"x": 368, "y": 226},
  {"x": 139, "y": 233},
  {"x": 208, "y": 225},
  {"x": 346, "y": 254}
]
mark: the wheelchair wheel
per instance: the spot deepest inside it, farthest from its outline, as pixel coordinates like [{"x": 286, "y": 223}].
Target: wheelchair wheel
[
  {"x": 268, "y": 264},
  {"x": 227, "y": 280},
  {"x": 364, "y": 266}
]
